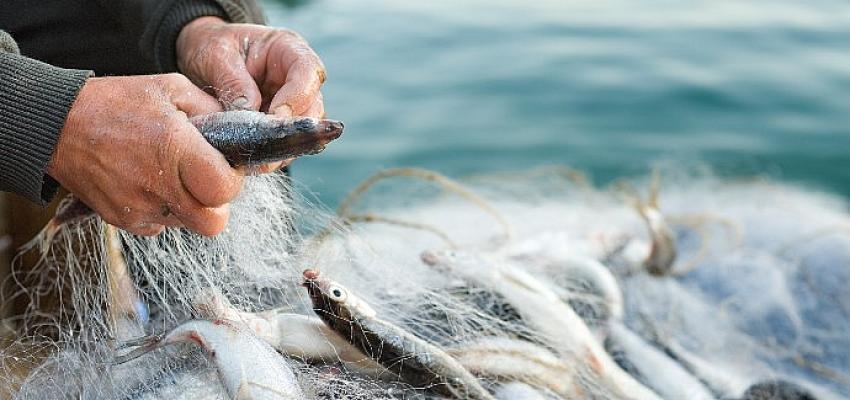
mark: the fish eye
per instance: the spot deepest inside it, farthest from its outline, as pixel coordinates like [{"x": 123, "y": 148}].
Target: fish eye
[{"x": 337, "y": 293}]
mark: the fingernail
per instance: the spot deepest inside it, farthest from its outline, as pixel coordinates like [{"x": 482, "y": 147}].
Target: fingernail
[{"x": 240, "y": 103}]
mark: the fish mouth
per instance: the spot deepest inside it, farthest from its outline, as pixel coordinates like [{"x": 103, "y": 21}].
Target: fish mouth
[
  {"x": 328, "y": 129},
  {"x": 312, "y": 140},
  {"x": 311, "y": 274},
  {"x": 429, "y": 258},
  {"x": 315, "y": 283}
]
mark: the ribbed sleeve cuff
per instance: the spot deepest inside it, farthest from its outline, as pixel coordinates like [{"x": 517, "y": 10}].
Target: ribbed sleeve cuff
[
  {"x": 163, "y": 36},
  {"x": 34, "y": 100},
  {"x": 243, "y": 11}
]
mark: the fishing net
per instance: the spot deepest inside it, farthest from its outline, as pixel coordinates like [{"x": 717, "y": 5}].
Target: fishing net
[{"x": 534, "y": 281}]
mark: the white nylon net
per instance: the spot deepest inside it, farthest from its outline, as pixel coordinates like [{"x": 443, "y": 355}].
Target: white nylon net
[{"x": 757, "y": 293}]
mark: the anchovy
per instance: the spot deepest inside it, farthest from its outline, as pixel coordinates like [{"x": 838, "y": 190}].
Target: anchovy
[
  {"x": 578, "y": 268},
  {"x": 248, "y": 367},
  {"x": 518, "y": 391},
  {"x": 723, "y": 381},
  {"x": 417, "y": 362},
  {"x": 295, "y": 335},
  {"x": 543, "y": 310},
  {"x": 660, "y": 372},
  {"x": 512, "y": 360},
  {"x": 245, "y": 138},
  {"x": 253, "y": 138}
]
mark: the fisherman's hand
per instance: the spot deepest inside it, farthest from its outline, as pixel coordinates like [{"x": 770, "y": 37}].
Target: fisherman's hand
[
  {"x": 253, "y": 67},
  {"x": 129, "y": 152}
]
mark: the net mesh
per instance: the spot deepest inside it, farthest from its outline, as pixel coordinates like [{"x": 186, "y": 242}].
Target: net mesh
[{"x": 757, "y": 292}]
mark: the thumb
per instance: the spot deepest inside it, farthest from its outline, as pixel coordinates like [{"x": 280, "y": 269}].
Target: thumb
[
  {"x": 235, "y": 86},
  {"x": 203, "y": 171}
]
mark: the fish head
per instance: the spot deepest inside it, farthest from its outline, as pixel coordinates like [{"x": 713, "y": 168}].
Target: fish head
[
  {"x": 333, "y": 301},
  {"x": 323, "y": 130},
  {"x": 445, "y": 260},
  {"x": 459, "y": 262}
]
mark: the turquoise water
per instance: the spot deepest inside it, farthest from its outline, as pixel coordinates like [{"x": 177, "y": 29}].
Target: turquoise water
[{"x": 612, "y": 87}]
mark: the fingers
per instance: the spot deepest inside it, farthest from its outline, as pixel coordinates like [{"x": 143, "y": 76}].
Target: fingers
[
  {"x": 188, "y": 97},
  {"x": 186, "y": 212},
  {"x": 317, "y": 109},
  {"x": 236, "y": 86},
  {"x": 206, "y": 221},
  {"x": 203, "y": 171},
  {"x": 301, "y": 89},
  {"x": 145, "y": 229}
]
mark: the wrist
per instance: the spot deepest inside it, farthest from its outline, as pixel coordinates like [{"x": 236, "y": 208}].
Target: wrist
[{"x": 67, "y": 138}]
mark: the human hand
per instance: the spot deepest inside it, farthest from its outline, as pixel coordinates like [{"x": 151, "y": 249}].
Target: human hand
[
  {"x": 253, "y": 67},
  {"x": 129, "y": 152}
]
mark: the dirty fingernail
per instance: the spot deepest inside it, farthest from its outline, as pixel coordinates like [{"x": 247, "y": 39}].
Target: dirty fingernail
[{"x": 240, "y": 103}]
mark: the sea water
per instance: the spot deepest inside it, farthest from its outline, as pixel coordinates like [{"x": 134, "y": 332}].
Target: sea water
[{"x": 611, "y": 87}]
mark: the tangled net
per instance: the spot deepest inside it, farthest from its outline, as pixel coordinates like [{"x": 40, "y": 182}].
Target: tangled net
[{"x": 756, "y": 295}]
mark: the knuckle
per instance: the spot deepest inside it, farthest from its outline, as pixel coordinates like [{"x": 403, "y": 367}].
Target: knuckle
[
  {"x": 282, "y": 34},
  {"x": 175, "y": 80}
]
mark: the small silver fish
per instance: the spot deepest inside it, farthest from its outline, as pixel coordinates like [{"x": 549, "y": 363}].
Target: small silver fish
[
  {"x": 248, "y": 367},
  {"x": 254, "y": 138},
  {"x": 417, "y": 362},
  {"x": 245, "y": 138}
]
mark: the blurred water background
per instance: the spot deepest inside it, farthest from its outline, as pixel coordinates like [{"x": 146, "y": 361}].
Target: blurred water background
[{"x": 611, "y": 87}]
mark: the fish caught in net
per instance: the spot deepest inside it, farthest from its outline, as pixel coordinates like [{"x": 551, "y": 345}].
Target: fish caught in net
[{"x": 532, "y": 285}]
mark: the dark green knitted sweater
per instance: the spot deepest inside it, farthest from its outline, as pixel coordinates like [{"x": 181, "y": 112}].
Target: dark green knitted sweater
[{"x": 49, "y": 49}]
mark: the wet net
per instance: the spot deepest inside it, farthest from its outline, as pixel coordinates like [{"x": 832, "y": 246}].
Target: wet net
[{"x": 529, "y": 285}]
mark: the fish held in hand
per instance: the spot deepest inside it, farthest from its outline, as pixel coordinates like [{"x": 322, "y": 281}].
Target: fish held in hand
[
  {"x": 248, "y": 138},
  {"x": 245, "y": 138}
]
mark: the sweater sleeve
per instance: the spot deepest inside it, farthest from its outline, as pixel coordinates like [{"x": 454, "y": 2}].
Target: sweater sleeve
[
  {"x": 156, "y": 24},
  {"x": 161, "y": 34},
  {"x": 34, "y": 100}
]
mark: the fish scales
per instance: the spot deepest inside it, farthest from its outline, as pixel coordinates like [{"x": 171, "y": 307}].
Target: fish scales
[
  {"x": 417, "y": 362},
  {"x": 248, "y": 367},
  {"x": 252, "y": 138}
]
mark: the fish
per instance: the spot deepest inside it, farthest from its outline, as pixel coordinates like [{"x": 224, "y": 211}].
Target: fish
[
  {"x": 294, "y": 335},
  {"x": 249, "y": 138},
  {"x": 543, "y": 310},
  {"x": 245, "y": 138},
  {"x": 512, "y": 360},
  {"x": 248, "y": 367},
  {"x": 518, "y": 391},
  {"x": 660, "y": 372},
  {"x": 416, "y": 361}
]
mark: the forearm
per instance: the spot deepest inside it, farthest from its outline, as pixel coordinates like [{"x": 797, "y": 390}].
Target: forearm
[{"x": 34, "y": 100}]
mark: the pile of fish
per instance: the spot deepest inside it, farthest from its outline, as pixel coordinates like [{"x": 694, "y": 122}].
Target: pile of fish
[{"x": 731, "y": 291}]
